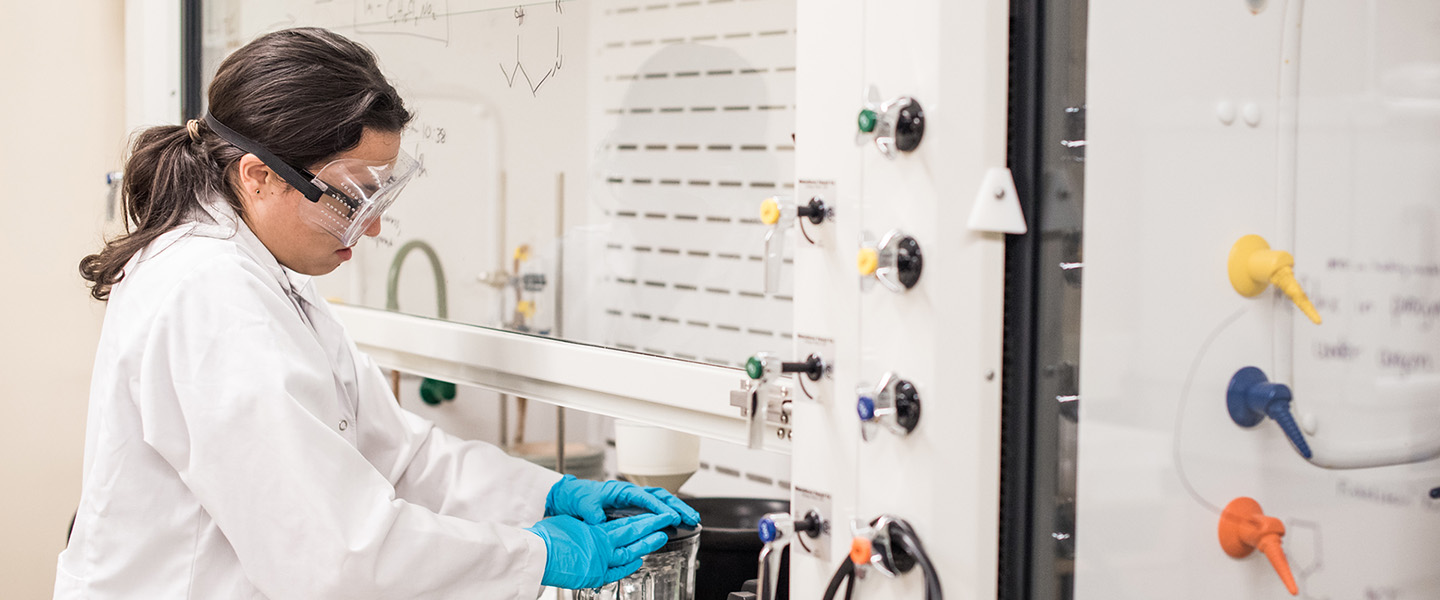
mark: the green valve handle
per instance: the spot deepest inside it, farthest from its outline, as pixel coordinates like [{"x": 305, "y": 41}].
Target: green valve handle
[
  {"x": 867, "y": 120},
  {"x": 755, "y": 367},
  {"x": 762, "y": 364}
]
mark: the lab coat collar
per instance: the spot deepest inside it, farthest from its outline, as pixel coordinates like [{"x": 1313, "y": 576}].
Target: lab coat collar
[
  {"x": 223, "y": 222},
  {"x": 290, "y": 280}
]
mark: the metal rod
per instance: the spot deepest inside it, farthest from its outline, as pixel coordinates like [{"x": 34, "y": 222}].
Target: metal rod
[
  {"x": 560, "y": 439},
  {"x": 559, "y": 330},
  {"x": 559, "y": 307},
  {"x": 501, "y": 246},
  {"x": 500, "y": 265},
  {"x": 505, "y": 422}
]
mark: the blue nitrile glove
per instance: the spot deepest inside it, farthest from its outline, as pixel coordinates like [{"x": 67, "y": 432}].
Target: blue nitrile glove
[
  {"x": 581, "y": 556},
  {"x": 587, "y": 500}
]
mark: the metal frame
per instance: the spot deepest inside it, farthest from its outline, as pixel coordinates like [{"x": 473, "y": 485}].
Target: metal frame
[
  {"x": 152, "y": 63},
  {"x": 684, "y": 396},
  {"x": 1036, "y": 372},
  {"x": 191, "y": 67},
  {"x": 1021, "y": 275}
]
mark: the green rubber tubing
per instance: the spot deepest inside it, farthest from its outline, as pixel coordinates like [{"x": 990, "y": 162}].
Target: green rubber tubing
[
  {"x": 432, "y": 391},
  {"x": 392, "y": 284}
]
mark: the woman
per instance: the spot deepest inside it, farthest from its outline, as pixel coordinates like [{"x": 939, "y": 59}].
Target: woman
[{"x": 238, "y": 445}]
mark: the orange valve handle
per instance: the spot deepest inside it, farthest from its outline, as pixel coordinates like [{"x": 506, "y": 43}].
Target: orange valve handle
[
  {"x": 1270, "y": 546},
  {"x": 860, "y": 550},
  {"x": 1244, "y": 528}
]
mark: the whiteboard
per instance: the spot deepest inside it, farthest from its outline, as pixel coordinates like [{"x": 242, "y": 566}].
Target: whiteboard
[
  {"x": 1315, "y": 124},
  {"x": 597, "y": 164}
]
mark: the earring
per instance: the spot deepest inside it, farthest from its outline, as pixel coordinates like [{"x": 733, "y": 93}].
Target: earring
[{"x": 257, "y": 191}]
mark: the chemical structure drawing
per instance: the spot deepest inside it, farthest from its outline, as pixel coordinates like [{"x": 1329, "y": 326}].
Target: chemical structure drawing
[
  {"x": 518, "y": 71},
  {"x": 1307, "y": 553}
]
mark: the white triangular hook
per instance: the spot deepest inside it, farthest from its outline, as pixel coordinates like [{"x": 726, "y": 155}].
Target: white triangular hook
[{"x": 997, "y": 204}]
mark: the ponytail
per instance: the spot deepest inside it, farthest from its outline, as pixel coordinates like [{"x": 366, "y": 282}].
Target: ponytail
[{"x": 169, "y": 172}]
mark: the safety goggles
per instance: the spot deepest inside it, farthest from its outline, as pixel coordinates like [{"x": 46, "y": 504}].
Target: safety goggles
[{"x": 347, "y": 196}]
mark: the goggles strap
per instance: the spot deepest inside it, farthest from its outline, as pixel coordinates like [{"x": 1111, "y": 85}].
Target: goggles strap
[{"x": 301, "y": 180}]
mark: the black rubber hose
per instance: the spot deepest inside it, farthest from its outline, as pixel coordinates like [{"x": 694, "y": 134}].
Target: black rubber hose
[
  {"x": 845, "y": 574},
  {"x": 917, "y": 551}
]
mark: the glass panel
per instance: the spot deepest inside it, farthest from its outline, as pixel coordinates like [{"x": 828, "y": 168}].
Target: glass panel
[
  {"x": 592, "y": 169},
  {"x": 1057, "y": 324},
  {"x": 1261, "y": 287}
]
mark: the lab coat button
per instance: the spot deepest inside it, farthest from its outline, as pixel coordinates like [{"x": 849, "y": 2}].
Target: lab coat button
[{"x": 344, "y": 424}]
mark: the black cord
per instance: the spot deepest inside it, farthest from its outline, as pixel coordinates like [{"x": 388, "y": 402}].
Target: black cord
[
  {"x": 912, "y": 545},
  {"x": 845, "y": 574}
]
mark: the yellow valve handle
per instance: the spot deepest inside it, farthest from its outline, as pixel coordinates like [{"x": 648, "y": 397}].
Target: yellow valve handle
[
  {"x": 770, "y": 211},
  {"x": 867, "y": 260},
  {"x": 527, "y": 308},
  {"x": 1253, "y": 267},
  {"x": 522, "y": 252},
  {"x": 1284, "y": 278}
]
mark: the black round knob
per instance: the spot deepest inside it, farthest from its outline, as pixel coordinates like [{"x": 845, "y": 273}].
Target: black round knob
[
  {"x": 1435, "y": 493},
  {"x": 816, "y": 210},
  {"x": 812, "y": 525},
  {"x": 813, "y": 367},
  {"x": 910, "y": 126},
  {"x": 908, "y": 262},
  {"x": 907, "y": 405}
]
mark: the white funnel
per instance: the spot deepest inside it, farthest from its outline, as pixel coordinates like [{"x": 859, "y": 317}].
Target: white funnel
[{"x": 653, "y": 456}]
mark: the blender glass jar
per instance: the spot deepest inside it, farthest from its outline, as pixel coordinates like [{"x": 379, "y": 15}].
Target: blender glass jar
[{"x": 665, "y": 574}]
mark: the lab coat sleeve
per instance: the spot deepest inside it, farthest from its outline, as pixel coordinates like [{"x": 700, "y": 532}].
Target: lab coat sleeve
[
  {"x": 467, "y": 479},
  {"x": 234, "y": 393}
]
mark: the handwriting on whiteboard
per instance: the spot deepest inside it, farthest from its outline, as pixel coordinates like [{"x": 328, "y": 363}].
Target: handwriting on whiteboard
[
  {"x": 1394, "y": 300},
  {"x": 417, "y": 18}
]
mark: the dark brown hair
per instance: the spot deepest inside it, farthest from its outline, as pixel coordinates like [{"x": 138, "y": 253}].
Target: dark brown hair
[{"x": 305, "y": 94}]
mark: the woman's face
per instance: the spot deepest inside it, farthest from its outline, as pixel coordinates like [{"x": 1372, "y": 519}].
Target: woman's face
[{"x": 274, "y": 209}]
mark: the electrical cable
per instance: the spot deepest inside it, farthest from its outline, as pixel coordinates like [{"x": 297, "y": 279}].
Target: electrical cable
[
  {"x": 911, "y": 543},
  {"x": 844, "y": 574}
]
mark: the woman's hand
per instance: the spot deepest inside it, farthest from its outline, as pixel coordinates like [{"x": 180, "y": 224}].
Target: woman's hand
[
  {"x": 587, "y": 500},
  {"x": 580, "y": 556}
]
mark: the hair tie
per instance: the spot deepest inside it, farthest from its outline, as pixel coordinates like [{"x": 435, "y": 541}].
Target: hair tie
[{"x": 193, "y": 128}]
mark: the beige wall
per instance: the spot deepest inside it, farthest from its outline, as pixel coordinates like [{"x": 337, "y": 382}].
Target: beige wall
[{"x": 61, "y": 129}]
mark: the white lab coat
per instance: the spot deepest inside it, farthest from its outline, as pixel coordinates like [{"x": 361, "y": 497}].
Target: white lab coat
[{"x": 239, "y": 446}]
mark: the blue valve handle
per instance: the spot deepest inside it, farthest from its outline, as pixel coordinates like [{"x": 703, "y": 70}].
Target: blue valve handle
[
  {"x": 767, "y": 530},
  {"x": 865, "y": 407},
  {"x": 1251, "y": 397}
]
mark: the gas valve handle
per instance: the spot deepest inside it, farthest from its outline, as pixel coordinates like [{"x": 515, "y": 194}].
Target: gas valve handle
[
  {"x": 895, "y": 261},
  {"x": 777, "y": 530},
  {"x": 764, "y": 368},
  {"x": 893, "y": 404},
  {"x": 894, "y": 126},
  {"x": 890, "y": 545},
  {"x": 779, "y": 213}
]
